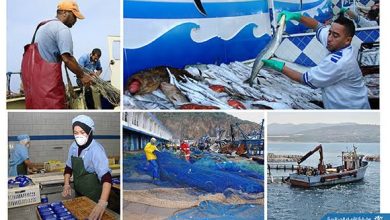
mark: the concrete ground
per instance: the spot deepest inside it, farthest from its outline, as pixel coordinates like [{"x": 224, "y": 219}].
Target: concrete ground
[{"x": 138, "y": 211}]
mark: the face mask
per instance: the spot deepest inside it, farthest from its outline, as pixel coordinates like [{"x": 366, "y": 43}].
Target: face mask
[{"x": 81, "y": 139}]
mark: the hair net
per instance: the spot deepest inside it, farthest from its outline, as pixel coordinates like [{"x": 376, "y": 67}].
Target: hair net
[
  {"x": 23, "y": 137},
  {"x": 85, "y": 120}
]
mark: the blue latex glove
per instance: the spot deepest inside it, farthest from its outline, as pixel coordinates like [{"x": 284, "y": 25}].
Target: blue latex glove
[
  {"x": 290, "y": 15},
  {"x": 274, "y": 64}
]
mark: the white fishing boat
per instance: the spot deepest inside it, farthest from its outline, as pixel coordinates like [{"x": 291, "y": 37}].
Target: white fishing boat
[{"x": 353, "y": 169}]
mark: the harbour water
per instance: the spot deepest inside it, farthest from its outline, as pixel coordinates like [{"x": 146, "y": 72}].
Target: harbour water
[{"x": 286, "y": 202}]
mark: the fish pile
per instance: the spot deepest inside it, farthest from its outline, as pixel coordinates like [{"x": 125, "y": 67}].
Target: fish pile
[
  {"x": 217, "y": 87},
  {"x": 372, "y": 83}
]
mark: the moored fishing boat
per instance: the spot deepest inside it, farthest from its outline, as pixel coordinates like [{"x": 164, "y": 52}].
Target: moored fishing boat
[{"x": 353, "y": 169}]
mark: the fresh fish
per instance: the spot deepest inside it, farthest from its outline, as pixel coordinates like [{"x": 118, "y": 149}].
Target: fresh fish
[
  {"x": 268, "y": 51},
  {"x": 217, "y": 88},
  {"x": 196, "y": 106},
  {"x": 271, "y": 93},
  {"x": 173, "y": 94},
  {"x": 160, "y": 94},
  {"x": 236, "y": 104},
  {"x": 151, "y": 99},
  {"x": 147, "y": 81},
  {"x": 271, "y": 105},
  {"x": 129, "y": 102},
  {"x": 197, "y": 93}
]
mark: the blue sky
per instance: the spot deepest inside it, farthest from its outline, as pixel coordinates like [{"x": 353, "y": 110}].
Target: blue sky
[{"x": 102, "y": 18}]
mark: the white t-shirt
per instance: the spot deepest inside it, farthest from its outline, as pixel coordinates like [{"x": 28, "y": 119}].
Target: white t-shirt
[{"x": 339, "y": 77}]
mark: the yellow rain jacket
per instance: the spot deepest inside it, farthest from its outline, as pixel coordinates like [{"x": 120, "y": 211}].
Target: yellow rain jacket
[{"x": 149, "y": 149}]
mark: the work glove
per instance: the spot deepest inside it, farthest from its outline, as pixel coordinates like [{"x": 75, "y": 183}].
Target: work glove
[
  {"x": 343, "y": 10},
  {"x": 98, "y": 211},
  {"x": 67, "y": 191},
  {"x": 274, "y": 64},
  {"x": 290, "y": 15}
]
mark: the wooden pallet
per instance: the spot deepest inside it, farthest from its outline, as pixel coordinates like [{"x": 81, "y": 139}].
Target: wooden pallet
[{"x": 82, "y": 206}]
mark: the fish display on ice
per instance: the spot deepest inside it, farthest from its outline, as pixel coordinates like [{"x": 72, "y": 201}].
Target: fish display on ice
[
  {"x": 222, "y": 87},
  {"x": 173, "y": 94},
  {"x": 268, "y": 51}
]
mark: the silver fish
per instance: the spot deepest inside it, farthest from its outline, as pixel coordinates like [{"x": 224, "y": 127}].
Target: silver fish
[
  {"x": 173, "y": 94},
  {"x": 268, "y": 51},
  {"x": 271, "y": 105}
]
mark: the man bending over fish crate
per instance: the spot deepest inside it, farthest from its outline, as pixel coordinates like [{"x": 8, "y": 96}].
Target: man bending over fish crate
[{"x": 338, "y": 74}]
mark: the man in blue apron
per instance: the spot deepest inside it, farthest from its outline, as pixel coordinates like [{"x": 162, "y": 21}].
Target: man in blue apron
[
  {"x": 88, "y": 163},
  {"x": 19, "y": 158},
  {"x": 41, "y": 64}
]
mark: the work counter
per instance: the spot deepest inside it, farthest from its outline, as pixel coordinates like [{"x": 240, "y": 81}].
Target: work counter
[{"x": 51, "y": 185}]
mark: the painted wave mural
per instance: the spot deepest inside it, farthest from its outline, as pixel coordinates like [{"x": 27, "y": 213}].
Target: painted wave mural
[
  {"x": 182, "y": 32},
  {"x": 321, "y": 10}
]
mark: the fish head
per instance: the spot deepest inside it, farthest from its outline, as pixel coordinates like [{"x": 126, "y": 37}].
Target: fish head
[
  {"x": 134, "y": 86},
  {"x": 282, "y": 22}
]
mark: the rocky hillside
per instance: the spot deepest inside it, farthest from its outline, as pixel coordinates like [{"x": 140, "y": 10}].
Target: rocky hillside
[{"x": 193, "y": 125}]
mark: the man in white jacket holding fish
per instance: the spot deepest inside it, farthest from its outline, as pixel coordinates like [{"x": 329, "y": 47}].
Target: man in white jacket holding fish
[{"x": 338, "y": 74}]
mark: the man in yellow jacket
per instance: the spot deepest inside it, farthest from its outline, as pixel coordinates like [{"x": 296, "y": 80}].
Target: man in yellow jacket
[{"x": 151, "y": 157}]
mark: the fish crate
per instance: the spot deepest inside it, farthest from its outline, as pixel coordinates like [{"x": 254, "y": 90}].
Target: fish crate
[
  {"x": 21, "y": 196},
  {"x": 53, "y": 166},
  {"x": 82, "y": 206}
]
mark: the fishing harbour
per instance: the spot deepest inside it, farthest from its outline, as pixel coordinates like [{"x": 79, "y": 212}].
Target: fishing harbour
[
  {"x": 297, "y": 190},
  {"x": 220, "y": 175}
]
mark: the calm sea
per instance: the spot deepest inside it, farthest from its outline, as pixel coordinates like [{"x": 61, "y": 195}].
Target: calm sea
[{"x": 285, "y": 202}]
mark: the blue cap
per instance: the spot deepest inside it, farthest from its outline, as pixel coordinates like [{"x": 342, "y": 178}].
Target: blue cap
[
  {"x": 85, "y": 120},
  {"x": 23, "y": 137}
]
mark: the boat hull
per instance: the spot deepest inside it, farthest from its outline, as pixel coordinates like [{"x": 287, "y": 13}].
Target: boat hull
[{"x": 328, "y": 179}]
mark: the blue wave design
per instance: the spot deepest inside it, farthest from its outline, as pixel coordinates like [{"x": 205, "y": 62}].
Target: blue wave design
[
  {"x": 279, "y": 6},
  {"x": 176, "y": 48},
  {"x": 324, "y": 13},
  {"x": 179, "y": 10}
]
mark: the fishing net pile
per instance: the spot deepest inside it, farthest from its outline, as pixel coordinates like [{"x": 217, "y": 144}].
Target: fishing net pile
[
  {"x": 182, "y": 198},
  {"x": 205, "y": 178},
  {"x": 214, "y": 210},
  {"x": 105, "y": 88},
  {"x": 211, "y": 177},
  {"x": 108, "y": 91}
]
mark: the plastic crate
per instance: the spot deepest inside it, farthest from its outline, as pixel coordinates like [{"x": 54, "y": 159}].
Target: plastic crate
[{"x": 21, "y": 196}]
